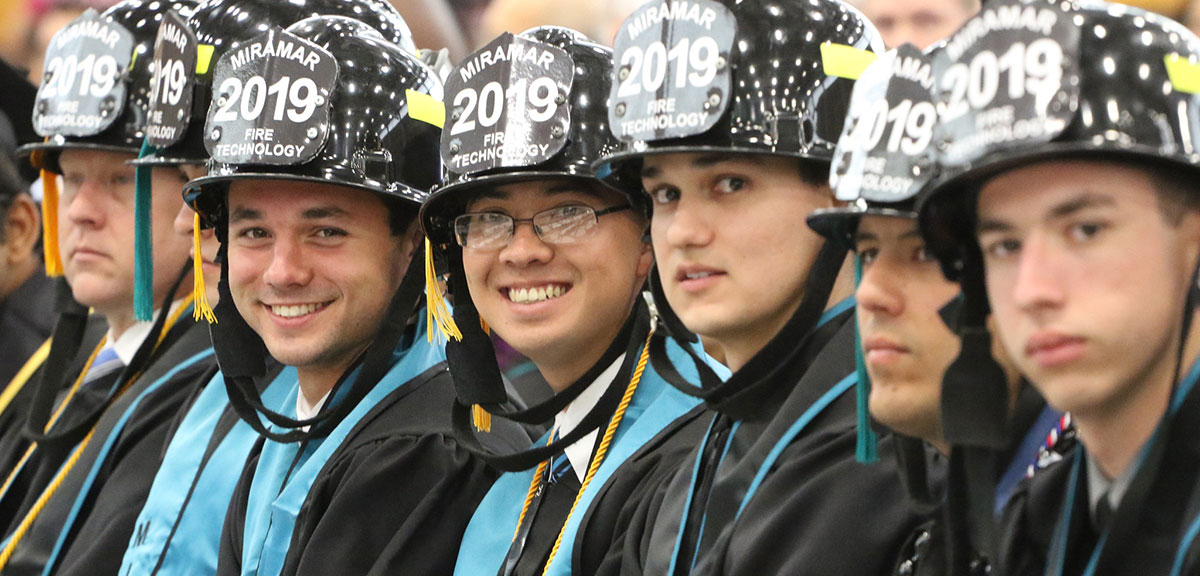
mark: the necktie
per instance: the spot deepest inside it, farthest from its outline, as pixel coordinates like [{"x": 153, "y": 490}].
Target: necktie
[{"x": 106, "y": 363}]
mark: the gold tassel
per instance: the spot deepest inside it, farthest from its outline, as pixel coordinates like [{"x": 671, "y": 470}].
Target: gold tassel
[
  {"x": 54, "y": 265},
  {"x": 482, "y": 418},
  {"x": 437, "y": 314},
  {"x": 202, "y": 309},
  {"x": 483, "y": 324}
]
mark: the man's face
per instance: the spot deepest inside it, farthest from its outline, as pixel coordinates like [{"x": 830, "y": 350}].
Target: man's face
[
  {"x": 96, "y": 228},
  {"x": 906, "y": 346},
  {"x": 921, "y": 22},
  {"x": 731, "y": 244},
  {"x": 312, "y": 268},
  {"x": 590, "y": 284},
  {"x": 1086, "y": 279},
  {"x": 209, "y": 245}
]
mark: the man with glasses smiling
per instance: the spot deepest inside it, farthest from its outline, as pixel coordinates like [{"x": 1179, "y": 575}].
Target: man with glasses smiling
[{"x": 554, "y": 261}]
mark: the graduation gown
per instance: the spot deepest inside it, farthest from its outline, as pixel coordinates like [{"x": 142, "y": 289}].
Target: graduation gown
[
  {"x": 781, "y": 492},
  {"x": 489, "y": 536},
  {"x": 28, "y": 480},
  {"x": 1047, "y": 527},
  {"x": 179, "y": 528},
  {"x": 26, "y": 319},
  {"x": 85, "y": 525},
  {"x": 388, "y": 491}
]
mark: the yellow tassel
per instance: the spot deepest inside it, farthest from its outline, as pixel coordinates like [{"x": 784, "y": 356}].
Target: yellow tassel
[
  {"x": 202, "y": 308},
  {"x": 437, "y": 314},
  {"x": 481, "y": 418},
  {"x": 483, "y": 324},
  {"x": 54, "y": 265}
]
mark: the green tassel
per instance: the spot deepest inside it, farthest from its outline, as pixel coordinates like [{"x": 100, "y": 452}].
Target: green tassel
[
  {"x": 867, "y": 449},
  {"x": 143, "y": 274}
]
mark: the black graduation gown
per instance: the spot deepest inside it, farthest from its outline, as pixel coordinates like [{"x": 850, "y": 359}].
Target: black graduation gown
[
  {"x": 1145, "y": 539},
  {"x": 48, "y": 456},
  {"x": 817, "y": 510},
  {"x": 26, "y": 319},
  {"x": 394, "y": 498},
  {"x": 610, "y": 534},
  {"x": 122, "y": 475}
]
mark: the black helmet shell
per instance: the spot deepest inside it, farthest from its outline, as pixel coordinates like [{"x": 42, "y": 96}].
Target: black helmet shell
[
  {"x": 141, "y": 19},
  {"x": 384, "y": 123},
  {"x": 222, "y": 25},
  {"x": 1136, "y": 99},
  {"x": 585, "y": 139},
  {"x": 782, "y": 100},
  {"x": 884, "y": 156}
]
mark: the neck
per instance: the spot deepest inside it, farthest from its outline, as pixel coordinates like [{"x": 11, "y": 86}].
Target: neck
[
  {"x": 568, "y": 366},
  {"x": 738, "y": 350},
  {"x": 1115, "y": 432},
  {"x": 315, "y": 383},
  {"x": 118, "y": 321}
]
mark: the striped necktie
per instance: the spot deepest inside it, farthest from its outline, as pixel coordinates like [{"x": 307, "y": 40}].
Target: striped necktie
[{"x": 106, "y": 363}]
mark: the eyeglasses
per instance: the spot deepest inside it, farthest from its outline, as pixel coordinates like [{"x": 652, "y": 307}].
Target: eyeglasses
[{"x": 562, "y": 225}]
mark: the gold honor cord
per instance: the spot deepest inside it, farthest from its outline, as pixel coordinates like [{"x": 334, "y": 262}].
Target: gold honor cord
[
  {"x": 597, "y": 460},
  {"x": 18, "y": 382},
  {"x": 36, "y": 509}
]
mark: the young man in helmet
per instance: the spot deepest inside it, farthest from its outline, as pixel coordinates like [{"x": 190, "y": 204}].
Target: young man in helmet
[
  {"x": 177, "y": 531},
  {"x": 565, "y": 292},
  {"x": 110, "y": 390},
  {"x": 357, "y": 470},
  {"x": 1081, "y": 233},
  {"x": 905, "y": 345},
  {"x": 733, "y": 147}
]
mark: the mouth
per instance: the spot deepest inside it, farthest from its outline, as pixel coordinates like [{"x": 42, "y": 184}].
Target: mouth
[
  {"x": 296, "y": 310},
  {"x": 1050, "y": 349},
  {"x": 534, "y": 294},
  {"x": 881, "y": 349},
  {"x": 696, "y": 277}
]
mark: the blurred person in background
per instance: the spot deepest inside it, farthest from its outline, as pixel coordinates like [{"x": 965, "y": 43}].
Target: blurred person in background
[
  {"x": 920, "y": 22},
  {"x": 26, "y": 295}
]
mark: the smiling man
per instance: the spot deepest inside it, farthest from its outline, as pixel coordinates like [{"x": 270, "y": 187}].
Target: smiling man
[
  {"x": 1082, "y": 235},
  {"x": 357, "y": 470},
  {"x": 565, "y": 291},
  {"x": 733, "y": 160}
]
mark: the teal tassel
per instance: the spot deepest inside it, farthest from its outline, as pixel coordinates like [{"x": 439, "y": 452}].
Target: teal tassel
[
  {"x": 143, "y": 274},
  {"x": 867, "y": 450}
]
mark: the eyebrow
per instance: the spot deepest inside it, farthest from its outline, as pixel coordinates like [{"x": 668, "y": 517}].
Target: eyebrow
[
  {"x": 705, "y": 161},
  {"x": 322, "y": 212},
  {"x": 915, "y": 233},
  {"x": 1069, "y": 207},
  {"x": 241, "y": 214}
]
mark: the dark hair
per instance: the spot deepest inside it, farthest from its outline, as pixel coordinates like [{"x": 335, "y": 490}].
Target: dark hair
[
  {"x": 814, "y": 172},
  {"x": 11, "y": 185},
  {"x": 1176, "y": 192},
  {"x": 400, "y": 216}
]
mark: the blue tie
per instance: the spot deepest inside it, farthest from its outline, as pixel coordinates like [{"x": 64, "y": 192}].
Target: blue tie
[{"x": 106, "y": 363}]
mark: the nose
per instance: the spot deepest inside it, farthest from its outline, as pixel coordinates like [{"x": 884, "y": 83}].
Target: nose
[
  {"x": 288, "y": 267},
  {"x": 879, "y": 291},
  {"x": 183, "y": 221},
  {"x": 83, "y": 205},
  {"x": 1037, "y": 285},
  {"x": 688, "y": 225},
  {"x": 526, "y": 247}
]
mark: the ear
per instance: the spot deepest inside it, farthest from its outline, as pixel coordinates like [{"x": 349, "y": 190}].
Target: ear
[
  {"x": 416, "y": 239},
  {"x": 22, "y": 227},
  {"x": 645, "y": 257}
]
